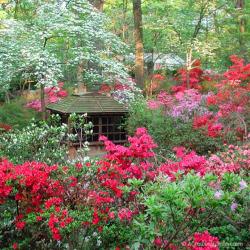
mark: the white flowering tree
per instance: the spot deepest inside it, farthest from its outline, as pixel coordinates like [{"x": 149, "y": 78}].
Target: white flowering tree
[{"x": 61, "y": 36}]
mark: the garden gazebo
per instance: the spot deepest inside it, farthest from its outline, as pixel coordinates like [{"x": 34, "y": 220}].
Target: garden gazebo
[{"x": 105, "y": 113}]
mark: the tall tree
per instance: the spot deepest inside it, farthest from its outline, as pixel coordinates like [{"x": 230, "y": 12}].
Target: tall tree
[
  {"x": 240, "y": 6},
  {"x": 138, "y": 34},
  {"x": 34, "y": 49}
]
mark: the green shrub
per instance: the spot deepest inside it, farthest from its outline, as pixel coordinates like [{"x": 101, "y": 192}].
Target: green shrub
[
  {"x": 15, "y": 114},
  {"x": 36, "y": 142},
  {"x": 176, "y": 210}
]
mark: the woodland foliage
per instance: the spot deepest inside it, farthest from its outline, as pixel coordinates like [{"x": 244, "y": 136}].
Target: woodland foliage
[{"x": 182, "y": 179}]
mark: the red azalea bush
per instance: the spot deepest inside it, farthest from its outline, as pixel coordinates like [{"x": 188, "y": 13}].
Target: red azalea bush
[
  {"x": 232, "y": 99},
  {"x": 187, "y": 162},
  {"x": 189, "y": 78},
  {"x": 196, "y": 78},
  {"x": 49, "y": 193},
  {"x": 102, "y": 198},
  {"x": 209, "y": 124},
  {"x": 33, "y": 189}
]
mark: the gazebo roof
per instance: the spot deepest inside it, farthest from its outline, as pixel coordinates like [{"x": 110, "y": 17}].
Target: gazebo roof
[{"x": 90, "y": 102}]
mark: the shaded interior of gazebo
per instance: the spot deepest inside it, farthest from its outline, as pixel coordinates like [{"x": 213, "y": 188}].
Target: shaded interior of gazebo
[{"x": 105, "y": 113}]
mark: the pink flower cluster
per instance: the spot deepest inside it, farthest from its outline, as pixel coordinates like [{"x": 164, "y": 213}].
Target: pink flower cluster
[
  {"x": 233, "y": 159},
  {"x": 199, "y": 241},
  {"x": 182, "y": 105},
  {"x": 52, "y": 95}
]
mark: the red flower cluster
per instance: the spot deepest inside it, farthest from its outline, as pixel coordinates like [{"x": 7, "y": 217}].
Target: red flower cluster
[
  {"x": 202, "y": 241},
  {"x": 57, "y": 221},
  {"x": 209, "y": 124},
  {"x": 187, "y": 162},
  {"x": 35, "y": 191},
  {"x": 231, "y": 160},
  {"x": 232, "y": 97},
  {"x": 32, "y": 180},
  {"x": 125, "y": 214},
  {"x": 189, "y": 79},
  {"x": 238, "y": 71},
  {"x": 141, "y": 146},
  {"x": 5, "y": 127},
  {"x": 161, "y": 243},
  {"x": 120, "y": 164}
]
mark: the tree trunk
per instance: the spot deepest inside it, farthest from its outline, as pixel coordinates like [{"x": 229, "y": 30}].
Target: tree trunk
[
  {"x": 124, "y": 22},
  {"x": 42, "y": 96},
  {"x": 81, "y": 87},
  {"x": 7, "y": 97},
  {"x": 138, "y": 33},
  {"x": 240, "y": 5},
  {"x": 98, "y": 4},
  {"x": 188, "y": 65}
]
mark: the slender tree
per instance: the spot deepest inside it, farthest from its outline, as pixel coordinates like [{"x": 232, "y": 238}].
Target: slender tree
[
  {"x": 240, "y": 6},
  {"x": 138, "y": 34}
]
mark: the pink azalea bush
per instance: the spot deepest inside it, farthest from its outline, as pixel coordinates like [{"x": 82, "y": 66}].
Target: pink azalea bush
[
  {"x": 182, "y": 105},
  {"x": 52, "y": 95}
]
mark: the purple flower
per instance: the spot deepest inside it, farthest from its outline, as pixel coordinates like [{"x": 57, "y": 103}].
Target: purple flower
[
  {"x": 243, "y": 185},
  {"x": 218, "y": 194},
  {"x": 234, "y": 206}
]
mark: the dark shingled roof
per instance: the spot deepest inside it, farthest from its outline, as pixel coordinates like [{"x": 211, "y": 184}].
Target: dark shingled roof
[{"x": 89, "y": 102}]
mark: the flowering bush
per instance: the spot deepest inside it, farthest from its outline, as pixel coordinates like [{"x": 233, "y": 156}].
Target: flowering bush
[
  {"x": 202, "y": 241},
  {"x": 189, "y": 78},
  {"x": 52, "y": 94},
  {"x": 182, "y": 105},
  {"x": 109, "y": 202},
  {"x": 232, "y": 98},
  {"x": 171, "y": 131},
  {"x": 103, "y": 193},
  {"x": 232, "y": 159},
  {"x": 175, "y": 210},
  {"x": 41, "y": 142},
  {"x": 223, "y": 113},
  {"x": 124, "y": 92}
]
